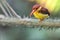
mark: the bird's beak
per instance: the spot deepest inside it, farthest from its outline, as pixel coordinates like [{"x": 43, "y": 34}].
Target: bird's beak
[{"x": 32, "y": 12}]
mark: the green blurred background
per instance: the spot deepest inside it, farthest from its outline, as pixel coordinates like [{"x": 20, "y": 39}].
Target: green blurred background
[{"x": 23, "y": 7}]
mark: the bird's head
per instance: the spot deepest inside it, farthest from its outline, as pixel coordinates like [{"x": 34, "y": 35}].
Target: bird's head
[{"x": 34, "y": 8}]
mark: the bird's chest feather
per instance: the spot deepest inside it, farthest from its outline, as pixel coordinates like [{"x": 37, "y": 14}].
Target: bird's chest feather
[{"x": 40, "y": 15}]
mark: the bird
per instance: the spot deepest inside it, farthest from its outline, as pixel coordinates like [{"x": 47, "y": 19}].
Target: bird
[{"x": 40, "y": 12}]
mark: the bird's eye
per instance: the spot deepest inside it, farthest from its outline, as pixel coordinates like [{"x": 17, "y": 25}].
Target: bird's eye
[{"x": 36, "y": 8}]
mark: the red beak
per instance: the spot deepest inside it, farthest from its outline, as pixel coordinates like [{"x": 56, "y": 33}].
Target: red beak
[{"x": 32, "y": 12}]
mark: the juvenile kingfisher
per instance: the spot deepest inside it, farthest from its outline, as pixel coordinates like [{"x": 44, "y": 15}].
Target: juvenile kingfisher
[{"x": 40, "y": 12}]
